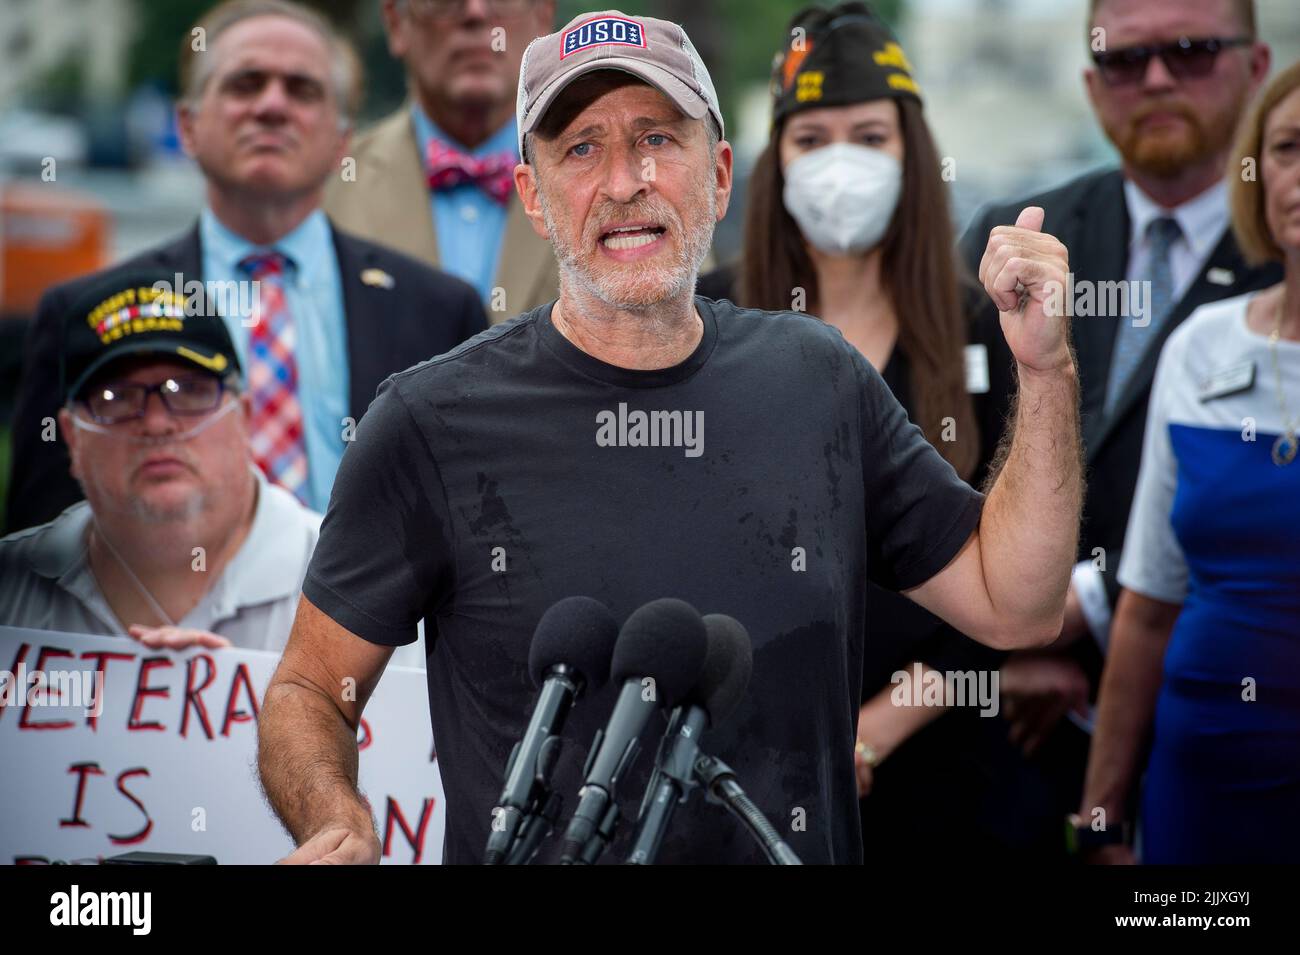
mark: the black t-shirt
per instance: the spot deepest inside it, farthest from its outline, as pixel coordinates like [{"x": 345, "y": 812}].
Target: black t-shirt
[
  {"x": 903, "y": 631},
  {"x": 793, "y": 477}
]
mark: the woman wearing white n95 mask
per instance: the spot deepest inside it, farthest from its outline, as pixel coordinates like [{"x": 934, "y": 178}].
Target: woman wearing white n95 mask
[
  {"x": 843, "y": 195},
  {"x": 848, "y": 220}
]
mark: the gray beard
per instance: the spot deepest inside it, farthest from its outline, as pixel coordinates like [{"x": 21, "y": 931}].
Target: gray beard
[
  {"x": 193, "y": 507},
  {"x": 139, "y": 510},
  {"x": 690, "y": 256}
]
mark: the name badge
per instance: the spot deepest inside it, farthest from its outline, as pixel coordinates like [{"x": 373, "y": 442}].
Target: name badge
[
  {"x": 977, "y": 369},
  {"x": 1228, "y": 381}
]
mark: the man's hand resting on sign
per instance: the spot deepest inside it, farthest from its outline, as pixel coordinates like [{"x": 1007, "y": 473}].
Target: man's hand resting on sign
[
  {"x": 176, "y": 638},
  {"x": 337, "y": 844},
  {"x": 1025, "y": 272}
]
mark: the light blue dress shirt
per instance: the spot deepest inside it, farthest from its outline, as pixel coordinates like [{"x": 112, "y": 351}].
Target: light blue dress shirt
[
  {"x": 314, "y": 293},
  {"x": 469, "y": 223}
]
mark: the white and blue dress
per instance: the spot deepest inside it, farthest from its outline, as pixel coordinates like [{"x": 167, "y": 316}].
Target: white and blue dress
[{"x": 1215, "y": 527}]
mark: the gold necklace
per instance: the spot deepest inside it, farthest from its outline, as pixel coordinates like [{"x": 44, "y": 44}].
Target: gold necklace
[{"x": 1286, "y": 445}]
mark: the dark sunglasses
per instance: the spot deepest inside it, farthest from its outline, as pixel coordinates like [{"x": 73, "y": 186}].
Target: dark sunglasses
[
  {"x": 1185, "y": 59},
  {"x": 115, "y": 402}
]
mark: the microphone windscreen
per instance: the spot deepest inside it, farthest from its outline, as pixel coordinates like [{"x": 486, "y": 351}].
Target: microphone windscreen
[
  {"x": 579, "y": 632},
  {"x": 727, "y": 668},
  {"x": 665, "y": 640}
]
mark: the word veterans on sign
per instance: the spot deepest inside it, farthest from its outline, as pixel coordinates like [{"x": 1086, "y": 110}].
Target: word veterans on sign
[
  {"x": 236, "y": 702},
  {"x": 165, "y": 759}
]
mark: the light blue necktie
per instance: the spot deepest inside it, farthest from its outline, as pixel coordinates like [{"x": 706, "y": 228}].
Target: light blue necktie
[{"x": 1132, "y": 341}]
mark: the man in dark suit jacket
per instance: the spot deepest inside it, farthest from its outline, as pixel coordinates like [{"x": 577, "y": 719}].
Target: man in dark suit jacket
[
  {"x": 1159, "y": 227},
  {"x": 265, "y": 111},
  {"x": 398, "y": 312}
]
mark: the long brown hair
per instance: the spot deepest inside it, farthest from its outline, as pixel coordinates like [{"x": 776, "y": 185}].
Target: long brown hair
[{"x": 918, "y": 269}]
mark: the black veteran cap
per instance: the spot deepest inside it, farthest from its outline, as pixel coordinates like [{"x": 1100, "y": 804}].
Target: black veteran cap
[
  {"x": 836, "y": 56},
  {"x": 141, "y": 313}
]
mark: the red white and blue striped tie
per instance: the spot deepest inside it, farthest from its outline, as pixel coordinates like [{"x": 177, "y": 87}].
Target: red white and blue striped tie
[{"x": 276, "y": 429}]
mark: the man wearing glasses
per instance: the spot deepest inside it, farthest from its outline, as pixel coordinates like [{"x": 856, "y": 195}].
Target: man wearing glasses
[
  {"x": 435, "y": 179},
  {"x": 265, "y": 110},
  {"x": 180, "y": 541},
  {"x": 1169, "y": 80}
]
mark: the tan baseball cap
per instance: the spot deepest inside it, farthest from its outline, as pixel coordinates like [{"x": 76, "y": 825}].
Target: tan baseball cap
[{"x": 653, "y": 50}]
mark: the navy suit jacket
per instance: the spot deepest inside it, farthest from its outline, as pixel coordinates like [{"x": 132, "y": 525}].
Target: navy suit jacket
[
  {"x": 424, "y": 313},
  {"x": 1089, "y": 214}
]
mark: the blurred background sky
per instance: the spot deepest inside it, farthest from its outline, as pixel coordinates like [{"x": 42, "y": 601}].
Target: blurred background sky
[{"x": 90, "y": 84}]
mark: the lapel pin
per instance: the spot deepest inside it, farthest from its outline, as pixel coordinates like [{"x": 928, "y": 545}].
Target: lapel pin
[
  {"x": 377, "y": 278},
  {"x": 1220, "y": 276}
]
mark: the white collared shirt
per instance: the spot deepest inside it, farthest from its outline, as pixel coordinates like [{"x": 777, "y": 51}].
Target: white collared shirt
[
  {"x": 1203, "y": 220},
  {"x": 46, "y": 581}
]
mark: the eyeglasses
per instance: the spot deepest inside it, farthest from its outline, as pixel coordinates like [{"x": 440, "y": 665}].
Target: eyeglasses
[
  {"x": 452, "y": 9},
  {"x": 1185, "y": 59},
  {"x": 116, "y": 402}
]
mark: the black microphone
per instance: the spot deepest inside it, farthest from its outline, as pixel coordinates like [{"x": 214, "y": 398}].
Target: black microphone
[
  {"x": 658, "y": 657},
  {"x": 722, "y": 685},
  {"x": 571, "y": 650}
]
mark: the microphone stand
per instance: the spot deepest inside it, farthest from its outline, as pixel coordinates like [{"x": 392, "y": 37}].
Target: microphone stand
[
  {"x": 519, "y": 834},
  {"x": 535, "y": 828},
  {"x": 720, "y": 782},
  {"x": 671, "y": 782},
  {"x": 679, "y": 769}
]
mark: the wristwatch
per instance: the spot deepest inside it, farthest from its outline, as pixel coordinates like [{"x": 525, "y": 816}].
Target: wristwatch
[{"x": 1081, "y": 837}]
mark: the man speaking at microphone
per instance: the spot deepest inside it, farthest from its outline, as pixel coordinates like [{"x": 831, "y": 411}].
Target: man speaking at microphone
[{"x": 631, "y": 441}]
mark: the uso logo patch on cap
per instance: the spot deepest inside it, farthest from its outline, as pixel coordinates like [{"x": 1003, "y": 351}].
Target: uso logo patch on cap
[{"x": 618, "y": 31}]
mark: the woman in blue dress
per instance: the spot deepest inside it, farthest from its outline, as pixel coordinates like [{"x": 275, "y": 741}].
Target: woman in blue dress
[{"x": 1205, "y": 651}]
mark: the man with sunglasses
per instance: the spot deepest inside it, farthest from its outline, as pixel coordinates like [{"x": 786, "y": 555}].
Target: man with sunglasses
[
  {"x": 434, "y": 179},
  {"x": 180, "y": 541},
  {"x": 1168, "y": 82}
]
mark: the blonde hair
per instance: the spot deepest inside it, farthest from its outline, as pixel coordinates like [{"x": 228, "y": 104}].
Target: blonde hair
[{"x": 1247, "y": 193}]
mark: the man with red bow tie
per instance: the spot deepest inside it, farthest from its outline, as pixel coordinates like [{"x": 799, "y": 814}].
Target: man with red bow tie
[{"x": 435, "y": 179}]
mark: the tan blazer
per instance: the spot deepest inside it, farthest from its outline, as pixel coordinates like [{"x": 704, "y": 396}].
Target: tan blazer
[{"x": 388, "y": 203}]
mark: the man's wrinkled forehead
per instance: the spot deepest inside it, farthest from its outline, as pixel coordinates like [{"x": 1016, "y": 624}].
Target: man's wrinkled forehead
[
  {"x": 596, "y": 122},
  {"x": 584, "y": 105},
  {"x": 1165, "y": 20},
  {"x": 244, "y": 47}
]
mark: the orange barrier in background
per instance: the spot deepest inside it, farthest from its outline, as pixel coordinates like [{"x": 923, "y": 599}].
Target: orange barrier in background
[{"x": 47, "y": 235}]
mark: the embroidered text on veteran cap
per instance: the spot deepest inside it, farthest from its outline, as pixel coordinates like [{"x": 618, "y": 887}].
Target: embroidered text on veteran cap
[
  {"x": 653, "y": 50},
  {"x": 139, "y": 313}
]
